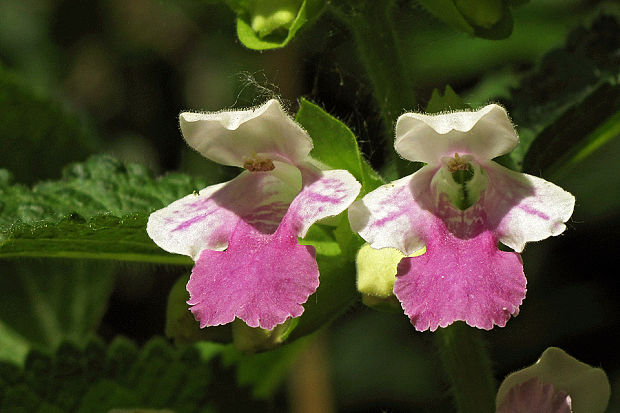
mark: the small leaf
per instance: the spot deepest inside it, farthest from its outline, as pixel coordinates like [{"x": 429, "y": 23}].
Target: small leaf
[
  {"x": 335, "y": 145},
  {"x": 446, "y": 102},
  {"x": 488, "y": 19},
  {"x": 336, "y": 292}
]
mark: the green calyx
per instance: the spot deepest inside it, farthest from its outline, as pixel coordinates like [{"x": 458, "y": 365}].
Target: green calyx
[
  {"x": 462, "y": 180},
  {"x": 254, "y": 339},
  {"x": 182, "y": 327}
]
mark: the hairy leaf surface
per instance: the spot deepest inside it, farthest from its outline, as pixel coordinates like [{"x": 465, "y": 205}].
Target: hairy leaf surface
[{"x": 97, "y": 210}]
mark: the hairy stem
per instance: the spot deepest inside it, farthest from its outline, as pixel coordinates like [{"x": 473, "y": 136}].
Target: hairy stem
[
  {"x": 372, "y": 27},
  {"x": 464, "y": 355}
]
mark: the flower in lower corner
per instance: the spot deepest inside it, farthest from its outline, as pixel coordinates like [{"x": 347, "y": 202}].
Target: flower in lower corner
[
  {"x": 556, "y": 383},
  {"x": 242, "y": 234},
  {"x": 459, "y": 206}
]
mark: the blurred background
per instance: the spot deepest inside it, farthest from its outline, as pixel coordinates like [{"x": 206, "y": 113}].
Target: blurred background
[{"x": 126, "y": 69}]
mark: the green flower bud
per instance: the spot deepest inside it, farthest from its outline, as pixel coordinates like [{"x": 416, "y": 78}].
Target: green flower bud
[{"x": 376, "y": 274}]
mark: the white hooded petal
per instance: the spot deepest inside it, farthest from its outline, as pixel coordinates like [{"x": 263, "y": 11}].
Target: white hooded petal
[
  {"x": 233, "y": 137},
  {"x": 523, "y": 208},
  {"x": 485, "y": 134},
  {"x": 206, "y": 220}
]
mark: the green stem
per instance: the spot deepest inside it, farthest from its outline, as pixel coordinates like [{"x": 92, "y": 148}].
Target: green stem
[
  {"x": 372, "y": 27},
  {"x": 464, "y": 355}
]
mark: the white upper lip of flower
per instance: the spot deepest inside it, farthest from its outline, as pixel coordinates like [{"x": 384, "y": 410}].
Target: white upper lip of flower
[
  {"x": 485, "y": 134},
  {"x": 232, "y": 137}
]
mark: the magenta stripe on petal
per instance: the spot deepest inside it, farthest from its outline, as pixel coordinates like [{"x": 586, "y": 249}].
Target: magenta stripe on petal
[
  {"x": 324, "y": 194},
  {"x": 263, "y": 279},
  {"x": 460, "y": 279}
]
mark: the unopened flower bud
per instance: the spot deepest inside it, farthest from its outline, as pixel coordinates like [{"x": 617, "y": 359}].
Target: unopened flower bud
[{"x": 376, "y": 274}]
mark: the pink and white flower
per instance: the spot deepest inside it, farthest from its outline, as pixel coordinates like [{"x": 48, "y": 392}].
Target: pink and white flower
[
  {"x": 242, "y": 234},
  {"x": 459, "y": 206},
  {"x": 556, "y": 383}
]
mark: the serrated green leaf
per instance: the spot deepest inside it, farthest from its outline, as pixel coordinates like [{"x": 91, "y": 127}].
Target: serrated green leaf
[
  {"x": 157, "y": 376},
  {"x": 98, "y": 210},
  {"x": 271, "y": 35},
  {"x": 335, "y": 145},
  {"x": 38, "y": 136}
]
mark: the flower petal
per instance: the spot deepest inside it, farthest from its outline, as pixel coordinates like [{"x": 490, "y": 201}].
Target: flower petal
[
  {"x": 533, "y": 396},
  {"x": 207, "y": 219},
  {"x": 485, "y": 134},
  {"x": 324, "y": 194},
  {"x": 232, "y": 137},
  {"x": 262, "y": 279},
  {"x": 460, "y": 279},
  {"x": 587, "y": 386},
  {"x": 523, "y": 208},
  {"x": 395, "y": 215}
]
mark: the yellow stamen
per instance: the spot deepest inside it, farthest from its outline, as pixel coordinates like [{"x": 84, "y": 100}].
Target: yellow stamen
[
  {"x": 259, "y": 165},
  {"x": 457, "y": 164}
]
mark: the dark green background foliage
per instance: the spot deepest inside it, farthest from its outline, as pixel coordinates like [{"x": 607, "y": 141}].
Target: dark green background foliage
[
  {"x": 90, "y": 94},
  {"x": 99, "y": 378}
]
